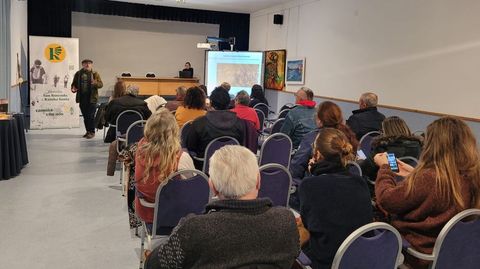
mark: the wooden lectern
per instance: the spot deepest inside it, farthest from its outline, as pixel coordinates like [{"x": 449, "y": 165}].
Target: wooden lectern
[{"x": 159, "y": 86}]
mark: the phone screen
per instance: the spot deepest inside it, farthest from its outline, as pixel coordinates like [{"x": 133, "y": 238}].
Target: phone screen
[{"x": 392, "y": 161}]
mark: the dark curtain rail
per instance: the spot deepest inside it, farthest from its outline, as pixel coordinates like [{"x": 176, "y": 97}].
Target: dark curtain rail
[{"x": 54, "y": 17}]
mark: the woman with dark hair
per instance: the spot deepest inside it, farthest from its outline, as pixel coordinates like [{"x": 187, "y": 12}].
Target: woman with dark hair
[
  {"x": 333, "y": 202},
  {"x": 207, "y": 100},
  {"x": 193, "y": 106},
  {"x": 257, "y": 96},
  {"x": 396, "y": 138}
]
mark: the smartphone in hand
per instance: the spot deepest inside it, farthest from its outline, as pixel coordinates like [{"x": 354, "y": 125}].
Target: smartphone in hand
[{"x": 392, "y": 161}]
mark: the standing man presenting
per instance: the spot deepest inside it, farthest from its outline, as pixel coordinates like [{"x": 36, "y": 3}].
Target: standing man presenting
[{"x": 86, "y": 83}]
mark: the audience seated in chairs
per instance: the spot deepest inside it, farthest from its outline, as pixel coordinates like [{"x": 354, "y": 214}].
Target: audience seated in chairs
[
  {"x": 258, "y": 97},
  {"x": 367, "y": 118},
  {"x": 445, "y": 182},
  {"x": 333, "y": 202},
  {"x": 396, "y": 138},
  {"x": 301, "y": 119},
  {"x": 179, "y": 97},
  {"x": 216, "y": 123},
  {"x": 329, "y": 115},
  {"x": 239, "y": 230},
  {"x": 158, "y": 155},
  {"x": 193, "y": 106},
  {"x": 243, "y": 111},
  {"x": 130, "y": 101}
]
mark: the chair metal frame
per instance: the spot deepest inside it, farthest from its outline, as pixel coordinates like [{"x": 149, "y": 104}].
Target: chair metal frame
[
  {"x": 367, "y": 135},
  {"x": 181, "y": 131},
  {"x": 138, "y": 122},
  {"x": 357, "y": 166},
  {"x": 260, "y": 105},
  {"x": 121, "y": 140},
  {"x": 361, "y": 231},
  {"x": 281, "y": 167},
  {"x": 275, "y": 123},
  {"x": 204, "y": 159},
  {"x": 262, "y": 122},
  {"x": 153, "y": 236},
  {"x": 271, "y": 137},
  {"x": 442, "y": 235}
]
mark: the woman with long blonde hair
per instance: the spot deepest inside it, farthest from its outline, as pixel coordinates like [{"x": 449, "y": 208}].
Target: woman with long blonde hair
[
  {"x": 445, "y": 182},
  {"x": 158, "y": 155}
]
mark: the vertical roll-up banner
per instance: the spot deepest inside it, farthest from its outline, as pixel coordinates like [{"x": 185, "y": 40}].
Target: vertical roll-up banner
[{"x": 53, "y": 63}]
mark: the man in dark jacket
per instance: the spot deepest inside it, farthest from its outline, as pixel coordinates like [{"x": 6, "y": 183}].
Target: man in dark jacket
[
  {"x": 85, "y": 84},
  {"x": 130, "y": 101},
  {"x": 216, "y": 123},
  {"x": 237, "y": 231},
  {"x": 367, "y": 118}
]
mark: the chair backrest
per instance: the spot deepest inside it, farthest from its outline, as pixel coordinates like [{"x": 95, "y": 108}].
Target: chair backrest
[
  {"x": 366, "y": 142},
  {"x": 125, "y": 119},
  {"x": 135, "y": 131},
  {"x": 179, "y": 197},
  {"x": 275, "y": 182},
  {"x": 283, "y": 114},
  {"x": 409, "y": 160},
  {"x": 261, "y": 118},
  {"x": 184, "y": 133},
  {"x": 458, "y": 244},
  {"x": 375, "y": 245},
  {"x": 354, "y": 168},
  {"x": 262, "y": 107},
  {"x": 277, "y": 126},
  {"x": 276, "y": 149},
  {"x": 213, "y": 146}
]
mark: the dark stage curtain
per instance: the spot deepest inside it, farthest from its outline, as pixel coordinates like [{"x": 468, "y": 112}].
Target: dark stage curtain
[
  {"x": 50, "y": 18},
  {"x": 54, "y": 18}
]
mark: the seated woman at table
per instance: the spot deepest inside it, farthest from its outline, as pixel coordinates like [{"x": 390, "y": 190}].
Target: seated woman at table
[
  {"x": 445, "y": 182},
  {"x": 158, "y": 155},
  {"x": 193, "y": 106},
  {"x": 333, "y": 202}
]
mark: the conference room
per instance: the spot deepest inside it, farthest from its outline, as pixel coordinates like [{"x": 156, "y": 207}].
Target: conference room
[{"x": 239, "y": 134}]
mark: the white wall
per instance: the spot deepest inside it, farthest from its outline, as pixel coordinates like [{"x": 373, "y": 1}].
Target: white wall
[
  {"x": 18, "y": 45},
  {"x": 118, "y": 44},
  {"x": 415, "y": 54}
]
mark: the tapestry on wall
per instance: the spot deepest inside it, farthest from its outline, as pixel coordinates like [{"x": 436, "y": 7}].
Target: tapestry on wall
[{"x": 275, "y": 69}]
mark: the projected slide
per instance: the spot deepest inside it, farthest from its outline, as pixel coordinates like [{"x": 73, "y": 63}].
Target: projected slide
[{"x": 241, "y": 69}]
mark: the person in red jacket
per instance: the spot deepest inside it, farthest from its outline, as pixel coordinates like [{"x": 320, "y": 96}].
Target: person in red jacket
[
  {"x": 243, "y": 110},
  {"x": 445, "y": 182}
]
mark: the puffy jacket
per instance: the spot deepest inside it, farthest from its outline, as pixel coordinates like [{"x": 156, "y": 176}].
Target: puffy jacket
[{"x": 365, "y": 120}]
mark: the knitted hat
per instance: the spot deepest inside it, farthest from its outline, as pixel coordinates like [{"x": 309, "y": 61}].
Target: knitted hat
[{"x": 220, "y": 99}]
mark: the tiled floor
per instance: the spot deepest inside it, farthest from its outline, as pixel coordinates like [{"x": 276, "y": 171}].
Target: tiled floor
[{"x": 62, "y": 211}]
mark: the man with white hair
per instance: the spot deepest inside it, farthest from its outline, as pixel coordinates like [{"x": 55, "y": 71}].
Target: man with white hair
[
  {"x": 237, "y": 231},
  {"x": 367, "y": 118}
]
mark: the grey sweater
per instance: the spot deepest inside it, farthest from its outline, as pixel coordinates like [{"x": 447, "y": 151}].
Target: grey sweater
[{"x": 232, "y": 234}]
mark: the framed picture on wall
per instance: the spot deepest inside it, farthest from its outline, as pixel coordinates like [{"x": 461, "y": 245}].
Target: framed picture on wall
[
  {"x": 295, "y": 71},
  {"x": 275, "y": 69}
]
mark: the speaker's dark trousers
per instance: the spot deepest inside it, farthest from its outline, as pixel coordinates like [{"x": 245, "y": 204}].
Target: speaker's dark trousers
[{"x": 88, "y": 112}]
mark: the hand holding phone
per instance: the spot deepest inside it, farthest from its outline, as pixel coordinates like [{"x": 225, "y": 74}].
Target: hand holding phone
[{"x": 392, "y": 162}]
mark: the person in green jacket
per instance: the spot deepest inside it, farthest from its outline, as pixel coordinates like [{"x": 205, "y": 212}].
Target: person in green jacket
[{"x": 85, "y": 84}]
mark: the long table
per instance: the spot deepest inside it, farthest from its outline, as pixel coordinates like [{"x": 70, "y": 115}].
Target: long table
[{"x": 159, "y": 86}]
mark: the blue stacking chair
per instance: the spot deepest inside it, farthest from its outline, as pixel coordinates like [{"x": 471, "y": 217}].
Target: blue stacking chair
[
  {"x": 366, "y": 142},
  {"x": 276, "y": 149},
  {"x": 276, "y": 182}
]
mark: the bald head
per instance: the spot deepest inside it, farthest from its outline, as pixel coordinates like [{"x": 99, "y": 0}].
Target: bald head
[
  {"x": 303, "y": 94},
  {"x": 368, "y": 99}
]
